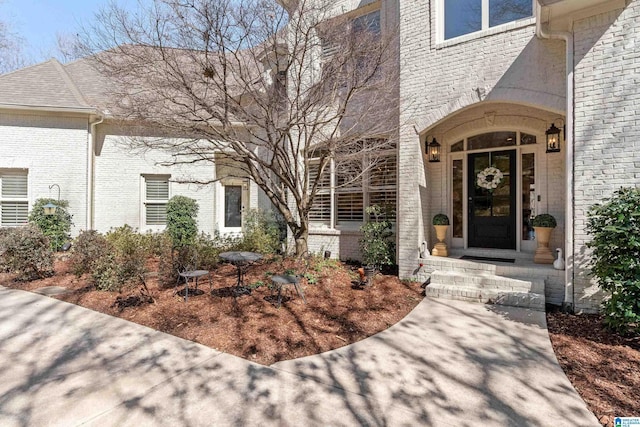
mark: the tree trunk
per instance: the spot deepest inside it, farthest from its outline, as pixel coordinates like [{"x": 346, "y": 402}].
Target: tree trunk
[{"x": 301, "y": 237}]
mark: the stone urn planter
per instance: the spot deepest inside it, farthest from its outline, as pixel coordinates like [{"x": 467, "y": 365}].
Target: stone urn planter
[
  {"x": 543, "y": 225},
  {"x": 441, "y": 224}
]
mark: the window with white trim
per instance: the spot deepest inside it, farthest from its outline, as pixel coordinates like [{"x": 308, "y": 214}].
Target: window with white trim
[
  {"x": 461, "y": 17},
  {"x": 332, "y": 40},
  {"x": 369, "y": 179},
  {"x": 156, "y": 196},
  {"x": 14, "y": 201}
]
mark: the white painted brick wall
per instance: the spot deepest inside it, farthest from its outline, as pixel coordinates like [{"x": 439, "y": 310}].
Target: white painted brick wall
[
  {"x": 54, "y": 150},
  {"x": 438, "y": 80},
  {"x": 607, "y": 134},
  {"x": 118, "y": 189}
]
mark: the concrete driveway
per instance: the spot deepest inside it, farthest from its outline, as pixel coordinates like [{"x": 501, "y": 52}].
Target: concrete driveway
[{"x": 447, "y": 363}]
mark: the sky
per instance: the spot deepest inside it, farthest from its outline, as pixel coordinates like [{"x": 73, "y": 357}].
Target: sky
[{"x": 38, "y": 21}]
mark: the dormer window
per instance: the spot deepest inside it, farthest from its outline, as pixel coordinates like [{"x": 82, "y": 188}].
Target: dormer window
[{"x": 461, "y": 17}]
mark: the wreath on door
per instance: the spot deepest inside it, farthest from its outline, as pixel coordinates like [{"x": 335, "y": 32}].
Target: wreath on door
[{"x": 489, "y": 178}]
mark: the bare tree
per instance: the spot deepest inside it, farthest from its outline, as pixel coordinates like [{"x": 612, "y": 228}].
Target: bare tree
[
  {"x": 271, "y": 87},
  {"x": 68, "y": 47},
  {"x": 11, "y": 49}
]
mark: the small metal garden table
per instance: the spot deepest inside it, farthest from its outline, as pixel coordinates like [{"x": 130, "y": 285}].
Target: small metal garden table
[
  {"x": 280, "y": 280},
  {"x": 193, "y": 275},
  {"x": 242, "y": 261}
]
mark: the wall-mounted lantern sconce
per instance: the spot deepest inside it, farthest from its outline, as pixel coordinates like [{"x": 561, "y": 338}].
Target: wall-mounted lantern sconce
[
  {"x": 50, "y": 208},
  {"x": 553, "y": 139},
  {"x": 433, "y": 151}
]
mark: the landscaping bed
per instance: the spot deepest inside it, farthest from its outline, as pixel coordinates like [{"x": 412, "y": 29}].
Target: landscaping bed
[
  {"x": 604, "y": 367},
  {"x": 338, "y": 311}
]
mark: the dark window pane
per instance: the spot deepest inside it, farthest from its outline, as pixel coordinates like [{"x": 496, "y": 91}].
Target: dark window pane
[
  {"x": 462, "y": 17},
  {"x": 457, "y": 198},
  {"x": 526, "y": 139},
  {"x": 458, "y": 146},
  {"x": 491, "y": 140},
  {"x": 503, "y": 11},
  {"x": 528, "y": 195},
  {"x": 369, "y": 22},
  {"x": 233, "y": 206}
]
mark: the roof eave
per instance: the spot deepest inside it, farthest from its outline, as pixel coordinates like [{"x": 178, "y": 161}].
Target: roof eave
[
  {"x": 50, "y": 109},
  {"x": 559, "y": 15}
]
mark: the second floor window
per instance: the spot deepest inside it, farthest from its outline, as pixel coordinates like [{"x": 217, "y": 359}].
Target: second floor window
[{"x": 468, "y": 16}]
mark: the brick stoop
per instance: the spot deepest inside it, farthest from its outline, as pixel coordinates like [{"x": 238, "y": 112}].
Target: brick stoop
[{"x": 456, "y": 279}]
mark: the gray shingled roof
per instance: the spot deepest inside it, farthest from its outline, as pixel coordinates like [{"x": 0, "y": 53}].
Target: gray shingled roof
[{"x": 42, "y": 85}]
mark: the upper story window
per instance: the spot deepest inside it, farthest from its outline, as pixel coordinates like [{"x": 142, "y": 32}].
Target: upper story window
[
  {"x": 469, "y": 16},
  {"x": 335, "y": 35}
]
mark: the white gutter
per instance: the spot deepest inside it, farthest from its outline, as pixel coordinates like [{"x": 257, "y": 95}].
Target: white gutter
[
  {"x": 569, "y": 156},
  {"x": 48, "y": 109},
  {"x": 90, "y": 169}
]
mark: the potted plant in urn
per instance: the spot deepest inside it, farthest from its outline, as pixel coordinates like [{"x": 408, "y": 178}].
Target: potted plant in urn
[
  {"x": 543, "y": 225},
  {"x": 441, "y": 224}
]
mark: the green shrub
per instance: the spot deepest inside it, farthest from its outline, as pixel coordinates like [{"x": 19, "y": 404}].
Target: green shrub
[
  {"x": 182, "y": 225},
  {"x": 376, "y": 244},
  {"x": 89, "y": 247},
  {"x": 615, "y": 260},
  {"x": 544, "y": 220},
  {"x": 440, "y": 219},
  {"x": 262, "y": 232},
  {"x": 202, "y": 254},
  {"x": 57, "y": 226},
  {"x": 154, "y": 243},
  {"x": 124, "y": 263},
  {"x": 26, "y": 252}
]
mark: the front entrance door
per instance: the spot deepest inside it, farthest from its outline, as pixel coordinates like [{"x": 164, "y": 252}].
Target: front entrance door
[{"x": 492, "y": 200}]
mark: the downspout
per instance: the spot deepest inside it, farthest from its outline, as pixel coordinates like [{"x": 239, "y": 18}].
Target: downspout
[
  {"x": 569, "y": 290},
  {"x": 90, "y": 169}
]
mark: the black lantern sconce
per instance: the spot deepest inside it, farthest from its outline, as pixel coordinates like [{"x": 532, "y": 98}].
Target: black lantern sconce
[
  {"x": 553, "y": 139},
  {"x": 433, "y": 150}
]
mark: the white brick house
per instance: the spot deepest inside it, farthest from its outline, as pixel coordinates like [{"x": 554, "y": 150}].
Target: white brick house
[
  {"x": 485, "y": 83},
  {"x": 54, "y": 129}
]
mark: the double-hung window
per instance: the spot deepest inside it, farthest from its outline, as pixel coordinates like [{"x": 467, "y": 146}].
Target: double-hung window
[
  {"x": 156, "y": 196},
  {"x": 364, "y": 179},
  {"x": 13, "y": 198},
  {"x": 460, "y": 17}
]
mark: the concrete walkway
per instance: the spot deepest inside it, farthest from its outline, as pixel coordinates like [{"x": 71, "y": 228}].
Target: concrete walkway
[{"x": 448, "y": 363}]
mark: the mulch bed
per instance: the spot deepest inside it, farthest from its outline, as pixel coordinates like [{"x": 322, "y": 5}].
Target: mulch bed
[
  {"x": 604, "y": 367},
  {"x": 338, "y": 311}
]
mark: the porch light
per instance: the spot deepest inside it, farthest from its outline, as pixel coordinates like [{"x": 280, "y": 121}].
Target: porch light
[
  {"x": 553, "y": 139},
  {"x": 433, "y": 151}
]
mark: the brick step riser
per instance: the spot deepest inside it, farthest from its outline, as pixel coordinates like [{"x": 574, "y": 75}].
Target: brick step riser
[
  {"x": 533, "y": 301},
  {"x": 496, "y": 282}
]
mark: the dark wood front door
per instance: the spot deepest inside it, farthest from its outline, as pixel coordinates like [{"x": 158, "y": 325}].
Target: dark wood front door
[{"x": 492, "y": 211}]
